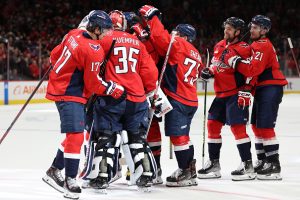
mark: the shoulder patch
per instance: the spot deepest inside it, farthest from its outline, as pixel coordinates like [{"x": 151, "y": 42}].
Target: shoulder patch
[{"x": 95, "y": 47}]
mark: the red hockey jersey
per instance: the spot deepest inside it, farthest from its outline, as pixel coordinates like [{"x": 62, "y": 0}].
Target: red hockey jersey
[
  {"x": 76, "y": 64},
  {"x": 183, "y": 66},
  {"x": 263, "y": 63},
  {"x": 130, "y": 65},
  {"x": 226, "y": 80}
]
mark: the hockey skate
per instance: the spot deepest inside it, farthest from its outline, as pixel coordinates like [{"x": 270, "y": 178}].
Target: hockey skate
[
  {"x": 211, "y": 170},
  {"x": 158, "y": 180},
  {"x": 270, "y": 171},
  {"x": 100, "y": 184},
  {"x": 54, "y": 179},
  {"x": 259, "y": 165},
  {"x": 72, "y": 189},
  {"x": 183, "y": 177},
  {"x": 144, "y": 183},
  {"x": 244, "y": 172}
]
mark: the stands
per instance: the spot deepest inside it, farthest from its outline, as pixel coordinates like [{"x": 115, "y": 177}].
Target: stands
[{"x": 33, "y": 28}]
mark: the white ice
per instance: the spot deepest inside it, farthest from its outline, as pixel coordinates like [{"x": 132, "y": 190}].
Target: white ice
[{"x": 30, "y": 146}]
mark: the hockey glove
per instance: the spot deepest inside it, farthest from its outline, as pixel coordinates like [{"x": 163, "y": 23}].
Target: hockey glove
[
  {"x": 156, "y": 104},
  {"x": 116, "y": 91},
  {"x": 142, "y": 33},
  {"x": 206, "y": 74},
  {"x": 244, "y": 97},
  {"x": 230, "y": 58},
  {"x": 131, "y": 18},
  {"x": 147, "y": 12}
]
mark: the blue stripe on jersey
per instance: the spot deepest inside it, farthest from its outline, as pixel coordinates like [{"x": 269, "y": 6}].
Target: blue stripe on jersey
[
  {"x": 170, "y": 78},
  {"x": 75, "y": 87}
]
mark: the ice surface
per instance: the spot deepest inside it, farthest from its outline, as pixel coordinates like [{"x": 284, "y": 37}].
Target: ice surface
[{"x": 29, "y": 148}]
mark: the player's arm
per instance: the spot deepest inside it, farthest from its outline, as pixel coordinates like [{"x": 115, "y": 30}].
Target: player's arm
[
  {"x": 55, "y": 54},
  {"x": 94, "y": 83},
  {"x": 251, "y": 67},
  {"x": 159, "y": 36},
  {"x": 147, "y": 70}
]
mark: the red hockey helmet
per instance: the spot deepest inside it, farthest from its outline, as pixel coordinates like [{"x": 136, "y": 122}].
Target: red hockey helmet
[{"x": 118, "y": 19}]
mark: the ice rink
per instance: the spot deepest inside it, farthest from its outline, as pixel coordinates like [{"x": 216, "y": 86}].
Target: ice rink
[{"x": 29, "y": 148}]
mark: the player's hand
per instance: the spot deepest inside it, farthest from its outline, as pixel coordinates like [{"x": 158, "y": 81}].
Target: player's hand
[
  {"x": 230, "y": 58},
  {"x": 131, "y": 18},
  {"x": 147, "y": 12},
  {"x": 115, "y": 90},
  {"x": 142, "y": 33},
  {"x": 156, "y": 104},
  {"x": 244, "y": 97},
  {"x": 206, "y": 74}
]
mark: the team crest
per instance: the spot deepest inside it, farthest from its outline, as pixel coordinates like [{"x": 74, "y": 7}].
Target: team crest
[{"x": 95, "y": 47}]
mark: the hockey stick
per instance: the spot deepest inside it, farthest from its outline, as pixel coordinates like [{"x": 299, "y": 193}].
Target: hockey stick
[
  {"x": 93, "y": 98},
  {"x": 293, "y": 54},
  {"x": 26, "y": 103},
  {"x": 204, "y": 113},
  {"x": 161, "y": 77}
]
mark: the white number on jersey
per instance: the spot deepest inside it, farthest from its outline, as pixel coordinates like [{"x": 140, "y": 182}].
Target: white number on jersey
[
  {"x": 191, "y": 64},
  {"x": 66, "y": 54},
  {"x": 125, "y": 59},
  {"x": 258, "y": 55}
]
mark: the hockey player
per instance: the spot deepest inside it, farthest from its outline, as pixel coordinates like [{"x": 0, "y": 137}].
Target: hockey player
[
  {"x": 76, "y": 62},
  {"x": 230, "y": 105},
  {"x": 268, "y": 95},
  {"x": 130, "y": 65},
  {"x": 179, "y": 84},
  {"x": 154, "y": 135}
]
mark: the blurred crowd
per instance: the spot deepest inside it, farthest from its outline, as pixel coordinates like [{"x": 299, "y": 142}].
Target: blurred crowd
[{"x": 31, "y": 29}]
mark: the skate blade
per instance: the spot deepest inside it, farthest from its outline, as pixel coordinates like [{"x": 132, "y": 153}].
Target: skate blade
[
  {"x": 53, "y": 184},
  {"x": 186, "y": 183},
  {"x": 157, "y": 181},
  {"x": 244, "y": 177},
  {"x": 210, "y": 175},
  {"x": 144, "y": 189},
  {"x": 116, "y": 177},
  {"x": 71, "y": 195},
  {"x": 85, "y": 185},
  {"x": 101, "y": 191},
  {"x": 275, "y": 176}
]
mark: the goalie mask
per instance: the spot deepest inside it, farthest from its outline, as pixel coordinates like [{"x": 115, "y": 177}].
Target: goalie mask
[{"x": 118, "y": 20}]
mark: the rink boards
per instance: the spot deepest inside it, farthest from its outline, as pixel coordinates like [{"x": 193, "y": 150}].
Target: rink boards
[{"x": 17, "y": 92}]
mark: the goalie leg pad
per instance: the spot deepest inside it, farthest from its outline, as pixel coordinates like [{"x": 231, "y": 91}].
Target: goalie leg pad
[
  {"x": 105, "y": 151},
  {"x": 139, "y": 157}
]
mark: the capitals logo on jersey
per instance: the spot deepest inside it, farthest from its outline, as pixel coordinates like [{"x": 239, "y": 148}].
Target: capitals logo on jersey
[{"x": 95, "y": 47}]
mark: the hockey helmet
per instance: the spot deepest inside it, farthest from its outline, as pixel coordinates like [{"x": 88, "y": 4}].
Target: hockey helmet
[
  {"x": 187, "y": 30},
  {"x": 261, "y": 21},
  {"x": 100, "y": 19}
]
